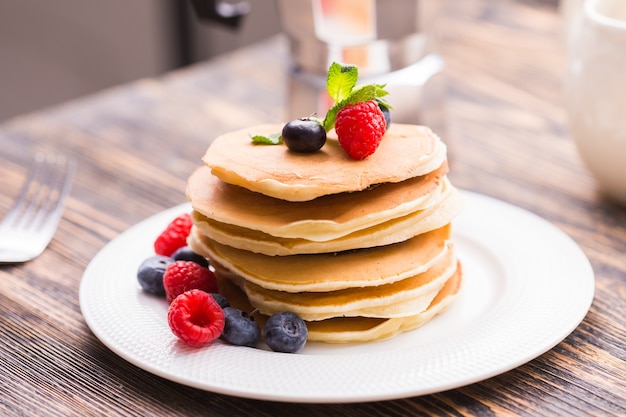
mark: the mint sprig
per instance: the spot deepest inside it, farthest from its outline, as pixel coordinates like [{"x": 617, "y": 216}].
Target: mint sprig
[{"x": 342, "y": 88}]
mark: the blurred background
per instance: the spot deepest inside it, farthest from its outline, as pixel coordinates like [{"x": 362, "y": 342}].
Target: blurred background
[{"x": 54, "y": 51}]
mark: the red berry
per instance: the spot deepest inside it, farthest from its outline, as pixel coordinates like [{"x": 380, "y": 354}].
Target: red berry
[
  {"x": 195, "y": 317},
  {"x": 181, "y": 276},
  {"x": 174, "y": 236},
  {"x": 360, "y": 127}
]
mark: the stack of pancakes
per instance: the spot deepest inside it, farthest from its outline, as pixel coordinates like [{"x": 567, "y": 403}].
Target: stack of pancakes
[{"x": 361, "y": 250}]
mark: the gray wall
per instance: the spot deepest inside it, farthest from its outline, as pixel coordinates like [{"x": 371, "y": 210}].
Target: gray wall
[{"x": 53, "y": 51}]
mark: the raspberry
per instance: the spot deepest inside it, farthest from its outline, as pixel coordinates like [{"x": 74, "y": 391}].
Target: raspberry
[
  {"x": 181, "y": 276},
  {"x": 360, "y": 128},
  {"x": 174, "y": 236},
  {"x": 195, "y": 317}
]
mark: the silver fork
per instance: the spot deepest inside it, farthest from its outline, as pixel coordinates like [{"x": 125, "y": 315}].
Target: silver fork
[{"x": 29, "y": 226}]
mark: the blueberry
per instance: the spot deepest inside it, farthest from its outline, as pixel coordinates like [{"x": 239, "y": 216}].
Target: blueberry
[
  {"x": 239, "y": 328},
  {"x": 387, "y": 113},
  {"x": 304, "y": 135},
  {"x": 186, "y": 254},
  {"x": 285, "y": 332},
  {"x": 150, "y": 274},
  {"x": 221, "y": 300}
]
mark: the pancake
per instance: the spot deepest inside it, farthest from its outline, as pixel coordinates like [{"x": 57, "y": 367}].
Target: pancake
[
  {"x": 406, "y": 151},
  {"x": 392, "y": 231},
  {"x": 330, "y": 271},
  {"x": 322, "y": 219},
  {"x": 357, "y": 329},
  {"x": 403, "y": 298}
]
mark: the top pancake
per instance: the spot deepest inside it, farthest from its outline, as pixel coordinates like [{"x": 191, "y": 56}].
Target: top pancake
[{"x": 406, "y": 151}]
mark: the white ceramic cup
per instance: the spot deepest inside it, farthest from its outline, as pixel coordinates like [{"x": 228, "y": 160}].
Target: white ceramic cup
[{"x": 595, "y": 92}]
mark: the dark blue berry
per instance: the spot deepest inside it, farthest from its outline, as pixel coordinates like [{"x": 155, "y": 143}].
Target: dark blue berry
[
  {"x": 285, "y": 332},
  {"x": 150, "y": 274},
  {"x": 186, "y": 254},
  {"x": 304, "y": 135},
  {"x": 221, "y": 300},
  {"x": 387, "y": 114},
  {"x": 240, "y": 328}
]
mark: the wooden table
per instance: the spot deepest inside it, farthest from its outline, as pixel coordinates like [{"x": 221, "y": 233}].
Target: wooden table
[{"x": 137, "y": 144}]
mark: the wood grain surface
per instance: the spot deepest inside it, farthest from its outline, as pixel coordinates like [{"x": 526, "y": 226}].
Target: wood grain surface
[{"x": 136, "y": 145}]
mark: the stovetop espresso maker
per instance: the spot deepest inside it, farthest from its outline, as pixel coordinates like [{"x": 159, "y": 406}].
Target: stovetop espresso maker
[{"x": 393, "y": 42}]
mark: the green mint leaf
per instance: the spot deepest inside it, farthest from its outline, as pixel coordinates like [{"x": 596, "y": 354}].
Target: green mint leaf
[
  {"x": 341, "y": 80},
  {"x": 362, "y": 93},
  {"x": 331, "y": 116},
  {"x": 273, "y": 139},
  {"x": 367, "y": 92},
  {"x": 384, "y": 104}
]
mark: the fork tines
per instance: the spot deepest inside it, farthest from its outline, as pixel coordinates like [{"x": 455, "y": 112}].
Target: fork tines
[{"x": 42, "y": 196}]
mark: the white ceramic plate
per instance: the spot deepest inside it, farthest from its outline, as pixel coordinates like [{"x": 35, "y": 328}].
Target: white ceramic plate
[{"x": 526, "y": 287}]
